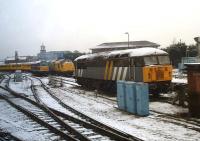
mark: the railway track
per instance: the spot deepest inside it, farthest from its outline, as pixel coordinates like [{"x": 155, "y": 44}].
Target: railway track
[
  {"x": 69, "y": 79},
  {"x": 42, "y": 115},
  {"x": 64, "y": 80},
  {"x": 77, "y": 128},
  {"x": 27, "y": 125},
  {"x": 187, "y": 122},
  {"x": 178, "y": 120},
  {"x": 5, "y": 136},
  {"x": 1, "y": 80},
  {"x": 90, "y": 123},
  {"x": 73, "y": 82}
]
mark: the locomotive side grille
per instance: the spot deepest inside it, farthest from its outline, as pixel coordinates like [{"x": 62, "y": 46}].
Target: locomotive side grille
[
  {"x": 160, "y": 74},
  {"x": 157, "y": 73}
]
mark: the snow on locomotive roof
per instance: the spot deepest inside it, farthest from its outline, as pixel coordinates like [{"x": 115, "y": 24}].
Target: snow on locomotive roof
[
  {"x": 35, "y": 62},
  {"x": 91, "y": 56},
  {"x": 130, "y": 52},
  {"x": 138, "y": 52}
]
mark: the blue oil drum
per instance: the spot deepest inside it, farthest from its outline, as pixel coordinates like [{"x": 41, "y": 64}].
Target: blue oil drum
[
  {"x": 121, "y": 99},
  {"x": 142, "y": 98},
  {"x": 131, "y": 97}
]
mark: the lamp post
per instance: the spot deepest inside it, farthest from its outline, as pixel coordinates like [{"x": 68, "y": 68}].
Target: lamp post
[{"x": 128, "y": 37}]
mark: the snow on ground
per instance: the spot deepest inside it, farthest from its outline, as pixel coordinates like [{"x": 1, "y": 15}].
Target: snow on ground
[
  {"x": 179, "y": 77},
  {"x": 21, "y": 87},
  {"x": 18, "y": 124},
  {"x": 147, "y": 128},
  {"x": 167, "y": 108},
  {"x": 45, "y": 80},
  {"x": 179, "y": 80},
  {"x": 48, "y": 100}
]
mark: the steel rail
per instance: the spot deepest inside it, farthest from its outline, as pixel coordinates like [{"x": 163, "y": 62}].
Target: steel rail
[
  {"x": 94, "y": 127},
  {"x": 102, "y": 131},
  {"x": 60, "y": 121},
  {"x": 36, "y": 118},
  {"x": 91, "y": 120},
  {"x": 67, "y": 81},
  {"x": 49, "y": 112},
  {"x": 5, "y": 136}
]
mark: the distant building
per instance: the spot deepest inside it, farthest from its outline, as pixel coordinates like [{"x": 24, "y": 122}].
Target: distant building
[
  {"x": 42, "y": 54},
  {"x": 51, "y": 55},
  {"x": 123, "y": 45},
  {"x": 2, "y": 62},
  {"x": 20, "y": 59}
]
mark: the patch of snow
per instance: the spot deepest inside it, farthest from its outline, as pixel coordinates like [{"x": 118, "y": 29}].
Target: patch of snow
[
  {"x": 179, "y": 80},
  {"x": 131, "y": 53},
  {"x": 45, "y": 80},
  {"x": 21, "y": 87},
  {"x": 147, "y": 128},
  {"x": 18, "y": 124},
  {"x": 167, "y": 108},
  {"x": 139, "y": 52},
  {"x": 49, "y": 101}
]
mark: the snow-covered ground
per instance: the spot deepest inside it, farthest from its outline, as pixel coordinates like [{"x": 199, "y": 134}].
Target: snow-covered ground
[
  {"x": 179, "y": 77},
  {"x": 147, "y": 128},
  {"x": 151, "y": 128},
  {"x": 21, "y": 87},
  {"x": 19, "y": 125}
]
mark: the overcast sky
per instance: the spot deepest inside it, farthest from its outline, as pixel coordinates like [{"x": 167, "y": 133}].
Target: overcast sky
[{"x": 82, "y": 24}]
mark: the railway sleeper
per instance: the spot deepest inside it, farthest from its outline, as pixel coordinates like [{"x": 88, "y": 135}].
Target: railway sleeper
[
  {"x": 82, "y": 129},
  {"x": 43, "y": 123},
  {"x": 61, "y": 122},
  {"x": 90, "y": 132},
  {"x": 91, "y": 127},
  {"x": 95, "y": 137},
  {"x": 111, "y": 134},
  {"x": 40, "y": 128}
]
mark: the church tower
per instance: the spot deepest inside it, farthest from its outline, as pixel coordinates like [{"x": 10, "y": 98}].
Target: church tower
[
  {"x": 42, "y": 49},
  {"x": 42, "y": 54}
]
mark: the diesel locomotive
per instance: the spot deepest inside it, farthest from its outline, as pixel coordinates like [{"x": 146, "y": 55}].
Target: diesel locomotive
[
  {"x": 102, "y": 70},
  {"x": 40, "y": 68},
  {"x": 64, "y": 67}
]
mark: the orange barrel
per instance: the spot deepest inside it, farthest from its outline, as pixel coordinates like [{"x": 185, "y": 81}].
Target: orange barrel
[{"x": 193, "y": 76}]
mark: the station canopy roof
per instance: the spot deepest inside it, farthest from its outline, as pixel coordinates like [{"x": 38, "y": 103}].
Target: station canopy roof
[{"x": 132, "y": 44}]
